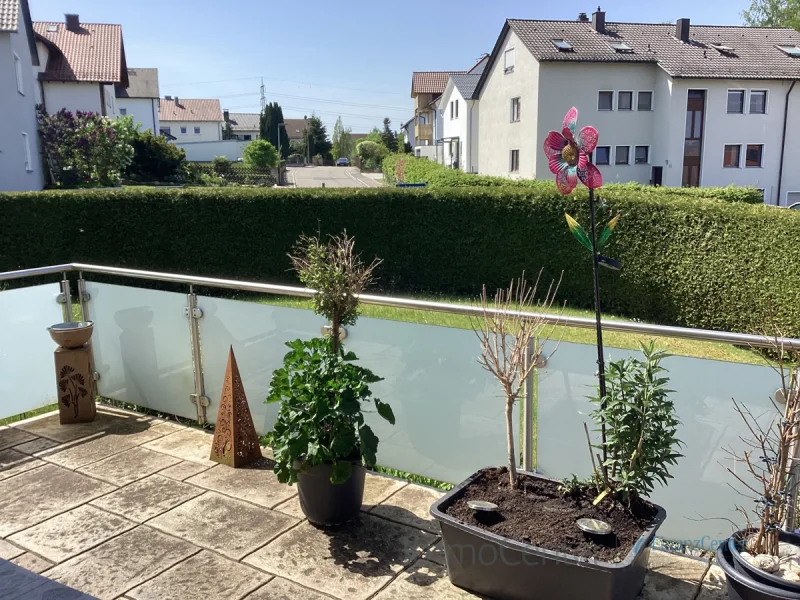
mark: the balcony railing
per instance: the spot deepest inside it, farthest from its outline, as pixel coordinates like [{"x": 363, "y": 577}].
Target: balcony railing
[
  {"x": 423, "y": 132},
  {"x": 167, "y": 351}
]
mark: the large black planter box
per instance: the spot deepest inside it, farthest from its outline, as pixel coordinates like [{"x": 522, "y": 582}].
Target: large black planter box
[{"x": 486, "y": 563}]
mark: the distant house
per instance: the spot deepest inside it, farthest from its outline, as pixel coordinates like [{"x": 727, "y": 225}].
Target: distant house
[
  {"x": 20, "y": 162},
  {"x": 80, "y": 65},
  {"x": 245, "y": 126},
  {"x": 140, "y": 99},
  {"x": 295, "y": 129},
  {"x": 191, "y": 120},
  {"x": 460, "y": 122}
]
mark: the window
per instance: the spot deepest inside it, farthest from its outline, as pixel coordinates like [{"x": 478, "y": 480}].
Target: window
[
  {"x": 514, "y": 161},
  {"x": 644, "y": 101},
  {"x": 754, "y": 155},
  {"x": 165, "y": 130},
  {"x": 418, "y": 152},
  {"x": 196, "y": 130},
  {"x": 183, "y": 130},
  {"x": 456, "y": 109},
  {"x": 730, "y": 156},
  {"x": 641, "y": 155},
  {"x": 791, "y": 50},
  {"x": 123, "y": 111},
  {"x": 605, "y": 101},
  {"x": 736, "y": 102},
  {"x": 27, "y": 148},
  {"x": 18, "y": 71},
  {"x": 247, "y": 138},
  {"x": 515, "y": 108},
  {"x": 451, "y": 109},
  {"x": 758, "y": 102},
  {"x": 622, "y": 155},
  {"x": 508, "y": 58},
  {"x": 562, "y": 45},
  {"x": 621, "y": 47},
  {"x": 625, "y": 101},
  {"x": 723, "y": 48},
  {"x": 602, "y": 155},
  {"x": 422, "y": 120}
]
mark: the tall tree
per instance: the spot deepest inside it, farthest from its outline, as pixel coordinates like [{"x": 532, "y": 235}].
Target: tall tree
[
  {"x": 317, "y": 137},
  {"x": 342, "y": 140},
  {"x": 268, "y": 127},
  {"x": 773, "y": 13},
  {"x": 389, "y": 137}
]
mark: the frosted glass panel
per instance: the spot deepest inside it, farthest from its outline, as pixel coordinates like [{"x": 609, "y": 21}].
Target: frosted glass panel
[
  {"x": 703, "y": 392},
  {"x": 142, "y": 347},
  {"x": 27, "y": 371},
  {"x": 257, "y": 333}
]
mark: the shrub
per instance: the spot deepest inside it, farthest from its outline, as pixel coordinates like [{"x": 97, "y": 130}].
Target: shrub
[
  {"x": 260, "y": 154},
  {"x": 155, "y": 159},
  {"x": 371, "y": 153},
  {"x": 686, "y": 261},
  {"x": 222, "y": 166}
]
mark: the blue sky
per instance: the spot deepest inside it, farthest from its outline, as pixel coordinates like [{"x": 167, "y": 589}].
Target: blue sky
[{"x": 352, "y": 58}]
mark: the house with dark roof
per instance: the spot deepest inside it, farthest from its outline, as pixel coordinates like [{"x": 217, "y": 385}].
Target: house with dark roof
[
  {"x": 20, "y": 162},
  {"x": 191, "y": 119},
  {"x": 81, "y": 65},
  {"x": 245, "y": 126},
  {"x": 459, "y": 107},
  {"x": 140, "y": 99},
  {"x": 675, "y": 104}
]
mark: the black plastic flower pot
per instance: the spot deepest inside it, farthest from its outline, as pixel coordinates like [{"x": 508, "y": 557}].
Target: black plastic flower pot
[
  {"x": 743, "y": 587},
  {"x": 328, "y": 504},
  {"x": 505, "y": 569},
  {"x": 735, "y": 545}
]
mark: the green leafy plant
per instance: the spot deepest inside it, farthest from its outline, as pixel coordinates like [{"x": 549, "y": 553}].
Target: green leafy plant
[
  {"x": 321, "y": 391},
  {"x": 222, "y": 166},
  {"x": 155, "y": 159},
  {"x": 572, "y": 486},
  {"x": 641, "y": 426},
  {"x": 260, "y": 154}
]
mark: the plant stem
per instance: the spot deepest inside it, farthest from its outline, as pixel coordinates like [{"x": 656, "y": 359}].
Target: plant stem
[
  {"x": 512, "y": 463},
  {"x": 601, "y": 375}
]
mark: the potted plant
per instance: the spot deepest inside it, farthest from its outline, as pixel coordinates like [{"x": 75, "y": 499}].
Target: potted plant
[
  {"x": 320, "y": 439},
  {"x": 763, "y": 559}
]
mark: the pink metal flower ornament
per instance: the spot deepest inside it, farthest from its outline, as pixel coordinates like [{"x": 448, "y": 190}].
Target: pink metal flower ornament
[{"x": 568, "y": 155}]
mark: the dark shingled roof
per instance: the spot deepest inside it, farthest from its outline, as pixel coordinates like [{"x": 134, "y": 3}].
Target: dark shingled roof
[
  {"x": 754, "y": 54},
  {"x": 466, "y": 84},
  {"x": 142, "y": 83},
  {"x": 245, "y": 121}
]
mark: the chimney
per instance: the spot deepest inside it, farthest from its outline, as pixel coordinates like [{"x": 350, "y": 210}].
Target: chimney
[
  {"x": 177, "y": 101},
  {"x": 227, "y": 115},
  {"x": 167, "y": 97},
  {"x": 583, "y": 18},
  {"x": 682, "y": 30},
  {"x": 599, "y": 21},
  {"x": 73, "y": 22}
]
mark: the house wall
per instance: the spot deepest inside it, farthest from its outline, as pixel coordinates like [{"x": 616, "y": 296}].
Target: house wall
[
  {"x": 206, "y": 151},
  {"x": 455, "y": 127},
  {"x": 210, "y": 131},
  {"x": 72, "y": 96},
  {"x": 143, "y": 110},
  {"x": 19, "y": 116},
  {"x": 497, "y": 133}
]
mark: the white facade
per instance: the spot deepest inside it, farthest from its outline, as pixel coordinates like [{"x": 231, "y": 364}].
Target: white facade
[
  {"x": 206, "y": 151},
  {"x": 84, "y": 96},
  {"x": 20, "y": 161},
  {"x": 194, "y": 131},
  {"x": 143, "y": 110},
  {"x": 459, "y": 118}
]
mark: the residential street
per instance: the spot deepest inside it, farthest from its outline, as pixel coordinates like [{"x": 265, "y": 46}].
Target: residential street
[{"x": 340, "y": 177}]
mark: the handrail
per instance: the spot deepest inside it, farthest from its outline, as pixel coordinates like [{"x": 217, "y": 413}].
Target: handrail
[{"x": 706, "y": 335}]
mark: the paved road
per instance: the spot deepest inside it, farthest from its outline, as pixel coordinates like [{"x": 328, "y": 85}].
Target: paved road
[{"x": 339, "y": 177}]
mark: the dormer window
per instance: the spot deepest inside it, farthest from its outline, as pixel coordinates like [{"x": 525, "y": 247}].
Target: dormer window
[
  {"x": 562, "y": 45},
  {"x": 52, "y": 28},
  {"x": 792, "y": 50},
  {"x": 621, "y": 47}
]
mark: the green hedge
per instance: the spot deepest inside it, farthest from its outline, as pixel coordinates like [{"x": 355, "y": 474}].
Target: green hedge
[
  {"x": 409, "y": 169},
  {"x": 685, "y": 261}
]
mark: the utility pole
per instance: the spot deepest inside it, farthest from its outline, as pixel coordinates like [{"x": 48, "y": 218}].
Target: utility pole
[
  {"x": 279, "y": 139},
  {"x": 263, "y": 97}
]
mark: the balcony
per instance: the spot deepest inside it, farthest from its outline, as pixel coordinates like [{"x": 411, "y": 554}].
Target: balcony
[
  {"x": 424, "y": 132},
  {"x": 130, "y": 504}
]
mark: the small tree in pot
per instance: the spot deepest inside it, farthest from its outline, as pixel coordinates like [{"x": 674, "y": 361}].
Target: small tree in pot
[{"x": 321, "y": 440}]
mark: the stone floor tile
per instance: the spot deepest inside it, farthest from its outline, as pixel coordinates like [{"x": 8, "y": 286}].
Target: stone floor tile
[
  {"x": 714, "y": 586},
  {"x": 672, "y": 576},
  {"x": 424, "y": 580},
  {"x": 353, "y": 561},
  {"x": 183, "y": 470},
  {"x": 13, "y": 463},
  {"x": 378, "y": 488},
  {"x": 106, "y": 421},
  {"x": 9, "y": 551},
  {"x": 19, "y": 583},
  {"x": 129, "y": 466},
  {"x": 36, "y": 445},
  {"x": 283, "y": 589},
  {"x": 411, "y": 506},
  {"x": 11, "y": 436},
  {"x": 255, "y": 483},
  {"x": 38, "y": 494},
  {"x": 190, "y": 444},
  {"x": 90, "y": 451},
  {"x": 122, "y": 563},
  {"x": 204, "y": 576},
  {"x": 147, "y": 498},
  {"x": 225, "y": 525},
  {"x": 292, "y": 508},
  {"x": 71, "y": 533},
  {"x": 436, "y": 553},
  {"x": 34, "y": 564}
]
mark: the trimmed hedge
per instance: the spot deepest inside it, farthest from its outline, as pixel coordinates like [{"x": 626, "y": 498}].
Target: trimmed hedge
[
  {"x": 685, "y": 261},
  {"x": 404, "y": 168}
]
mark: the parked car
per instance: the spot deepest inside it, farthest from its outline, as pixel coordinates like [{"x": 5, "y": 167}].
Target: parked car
[{"x": 343, "y": 162}]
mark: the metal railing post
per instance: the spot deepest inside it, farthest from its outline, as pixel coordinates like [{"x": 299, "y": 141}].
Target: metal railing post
[
  {"x": 66, "y": 308},
  {"x": 527, "y": 409},
  {"x": 83, "y": 297},
  {"x": 199, "y": 398}
]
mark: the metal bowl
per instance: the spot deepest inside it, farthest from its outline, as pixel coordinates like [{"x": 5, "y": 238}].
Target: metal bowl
[{"x": 71, "y": 335}]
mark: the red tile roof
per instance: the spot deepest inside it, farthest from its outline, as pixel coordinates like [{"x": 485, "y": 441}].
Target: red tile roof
[
  {"x": 190, "y": 109},
  {"x": 92, "y": 53},
  {"x": 430, "y": 82}
]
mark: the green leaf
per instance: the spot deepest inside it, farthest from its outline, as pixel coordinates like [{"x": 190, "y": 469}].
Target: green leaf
[
  {"x": 369, "y": 445},
  {"x": 385, "y": 411},
  {"x": 341, "y": 471},
  {"x": 344, "y": 442}
]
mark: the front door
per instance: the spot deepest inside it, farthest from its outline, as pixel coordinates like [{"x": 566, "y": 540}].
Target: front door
[{"x": 693, "y": 143}]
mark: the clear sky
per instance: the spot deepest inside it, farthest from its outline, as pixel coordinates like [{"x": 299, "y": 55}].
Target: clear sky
[{"x": 351, "y": 58}]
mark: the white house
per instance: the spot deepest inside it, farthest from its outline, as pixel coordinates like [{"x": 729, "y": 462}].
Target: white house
[
  {"x": 80, "y": 65},
  {"x": 245, "y": 126},
  {"x": 191, "y": 120},
  {"x": 459, "y": 117},
  {"x": 20, "y": 162},
  {"x": 674, "y": 104},
  {"x": 140, "y": 99}
]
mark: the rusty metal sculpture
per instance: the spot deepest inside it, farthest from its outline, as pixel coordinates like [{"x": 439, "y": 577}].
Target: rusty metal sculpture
[{"x": 235, "y": 440}]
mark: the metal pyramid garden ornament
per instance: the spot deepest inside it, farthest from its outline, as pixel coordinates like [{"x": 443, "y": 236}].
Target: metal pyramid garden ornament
[{"x": 235, "y": 440}]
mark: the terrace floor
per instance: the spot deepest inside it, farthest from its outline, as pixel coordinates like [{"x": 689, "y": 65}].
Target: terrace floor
[{"x": 130, "y": 507}]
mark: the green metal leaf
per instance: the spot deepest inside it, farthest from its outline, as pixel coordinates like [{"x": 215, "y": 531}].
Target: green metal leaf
[
  {"x": 578, "y": 232},
  {"x": 607, "y": 231}
]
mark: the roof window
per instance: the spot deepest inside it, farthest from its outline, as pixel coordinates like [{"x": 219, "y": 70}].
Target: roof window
[
  {"x": 621, "y": 47},
  {"x": 723, "y": 48},
  {"x": 562, "y": 45},
  {"x": 52, "y": 28},
  {"x": 791, "y": 50}
]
